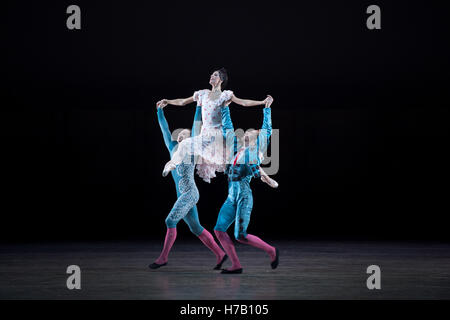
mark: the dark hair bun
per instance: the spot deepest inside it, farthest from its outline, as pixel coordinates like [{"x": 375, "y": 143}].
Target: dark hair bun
[{"x": 224, "y": 77}]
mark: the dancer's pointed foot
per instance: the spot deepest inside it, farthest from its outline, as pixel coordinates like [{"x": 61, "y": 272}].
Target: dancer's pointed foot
[
  {"x": 168, "y": 167},
  {"x": 276, "y": 261},
  {"x": 272, "y": 183},
  {"x": 235, "y": 271},
  {"x": 219, "y": 265},
  {"x": 155, "y": 265}
]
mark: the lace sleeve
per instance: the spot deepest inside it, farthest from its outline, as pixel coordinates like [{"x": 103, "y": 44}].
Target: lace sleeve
[
  {"x": 198, "y": 96},
  {"x": 227, "y": 95}
]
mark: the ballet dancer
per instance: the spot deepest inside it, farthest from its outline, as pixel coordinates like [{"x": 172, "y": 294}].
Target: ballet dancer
[
  {"x": 187, "y": 195},
  {"x": 247, "y": 156},
  {"x": 209, "y": 144}
]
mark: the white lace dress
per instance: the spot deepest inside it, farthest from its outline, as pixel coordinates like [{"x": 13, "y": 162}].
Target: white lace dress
[{"x": 209, "y": 145}]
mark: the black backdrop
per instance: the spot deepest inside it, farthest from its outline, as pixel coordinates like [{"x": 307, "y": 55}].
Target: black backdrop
[{"x": 363, "y": 115}]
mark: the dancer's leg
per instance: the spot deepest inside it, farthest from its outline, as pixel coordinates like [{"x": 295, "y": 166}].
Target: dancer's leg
[
  {"x": 226, "y": 217},
  {"x": 171, "y": 235},
  {"x": 260, "y": 244},
  {"x": 208, "y": 240},
  {"x": 181, "y": 207},
  {"x": 228, "y": 245},
  {"x": 179, "y": 156},
  {"x": 193, "y": 146},
  {"x": 243, "y": 212},
  {"x": 193, "y": 222}
]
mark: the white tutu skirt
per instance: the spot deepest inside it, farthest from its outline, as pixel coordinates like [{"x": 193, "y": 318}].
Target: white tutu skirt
[{"x": 208, "y": 149}]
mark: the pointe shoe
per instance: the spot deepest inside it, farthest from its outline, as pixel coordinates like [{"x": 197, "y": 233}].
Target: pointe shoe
[
  {"x": 167, "y": 168},
  {"x": 269, "y": 181}
]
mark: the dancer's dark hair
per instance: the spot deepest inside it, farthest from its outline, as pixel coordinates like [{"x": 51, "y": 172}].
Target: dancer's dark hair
[{"x": 224, "y": 77}]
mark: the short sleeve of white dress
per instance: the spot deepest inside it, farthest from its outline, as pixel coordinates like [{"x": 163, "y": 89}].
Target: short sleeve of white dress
[
  {"x": 198, "y": 96},
  {"x": 226, "y": 96}
]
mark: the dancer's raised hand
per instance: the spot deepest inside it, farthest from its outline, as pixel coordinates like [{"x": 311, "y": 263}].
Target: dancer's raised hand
[
  {"x": 162, "y": 103},
  {"x": 268, "y": 101}
]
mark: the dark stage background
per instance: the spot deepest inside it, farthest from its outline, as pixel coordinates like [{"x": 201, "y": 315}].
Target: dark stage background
[{"x": 363, "y": 115}]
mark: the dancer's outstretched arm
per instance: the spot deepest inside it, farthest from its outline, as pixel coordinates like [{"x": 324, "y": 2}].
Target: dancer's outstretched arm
[
  {"x": 175, "y": 102},
  {"x": 170, "y": 144},
  {"x": 250, "y": 103}
]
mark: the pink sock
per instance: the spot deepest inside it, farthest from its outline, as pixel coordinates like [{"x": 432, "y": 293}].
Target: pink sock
[
  {"x": 228, "y": 245},
  {"x": 208, "y": 241},
  {"x": 258, "y": 243},
  {"x": 171, "y": 235}
]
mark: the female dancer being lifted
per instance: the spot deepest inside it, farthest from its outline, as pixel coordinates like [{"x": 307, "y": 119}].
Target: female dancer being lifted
[
  {"x": 185, "y": 207},
  {"x": 209, "y": 144}
]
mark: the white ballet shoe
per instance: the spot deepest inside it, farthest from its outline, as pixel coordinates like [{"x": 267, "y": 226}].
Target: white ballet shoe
[{"x": 167, "y": 168}]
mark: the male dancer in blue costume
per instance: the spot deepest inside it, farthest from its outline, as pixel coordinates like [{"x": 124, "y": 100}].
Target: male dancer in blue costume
[
  {"x": 185, "y": 207},
  {"x": 238, "y": 205}
]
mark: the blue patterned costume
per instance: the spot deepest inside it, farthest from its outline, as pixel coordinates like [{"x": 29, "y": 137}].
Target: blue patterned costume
[
  {"x": 185, "y": 207},
  {"x": 243, "y": 166}
]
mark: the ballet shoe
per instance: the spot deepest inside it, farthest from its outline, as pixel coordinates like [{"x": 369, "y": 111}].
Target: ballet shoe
[
  {"x": 274, "y": 263},
  {"x": 219, "y": 265},
  {"x": 236, "y": 271},
  {"x": 155, "y": 265}
]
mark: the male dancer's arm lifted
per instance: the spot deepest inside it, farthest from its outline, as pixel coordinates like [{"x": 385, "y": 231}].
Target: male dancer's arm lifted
[
  {"x": 263, "y": 143},
  {"x": 261, "y": 137},
  {"x": 164, "y": 125}
]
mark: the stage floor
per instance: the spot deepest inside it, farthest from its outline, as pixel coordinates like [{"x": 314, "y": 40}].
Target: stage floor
[{"x": 307, "y": 270}]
